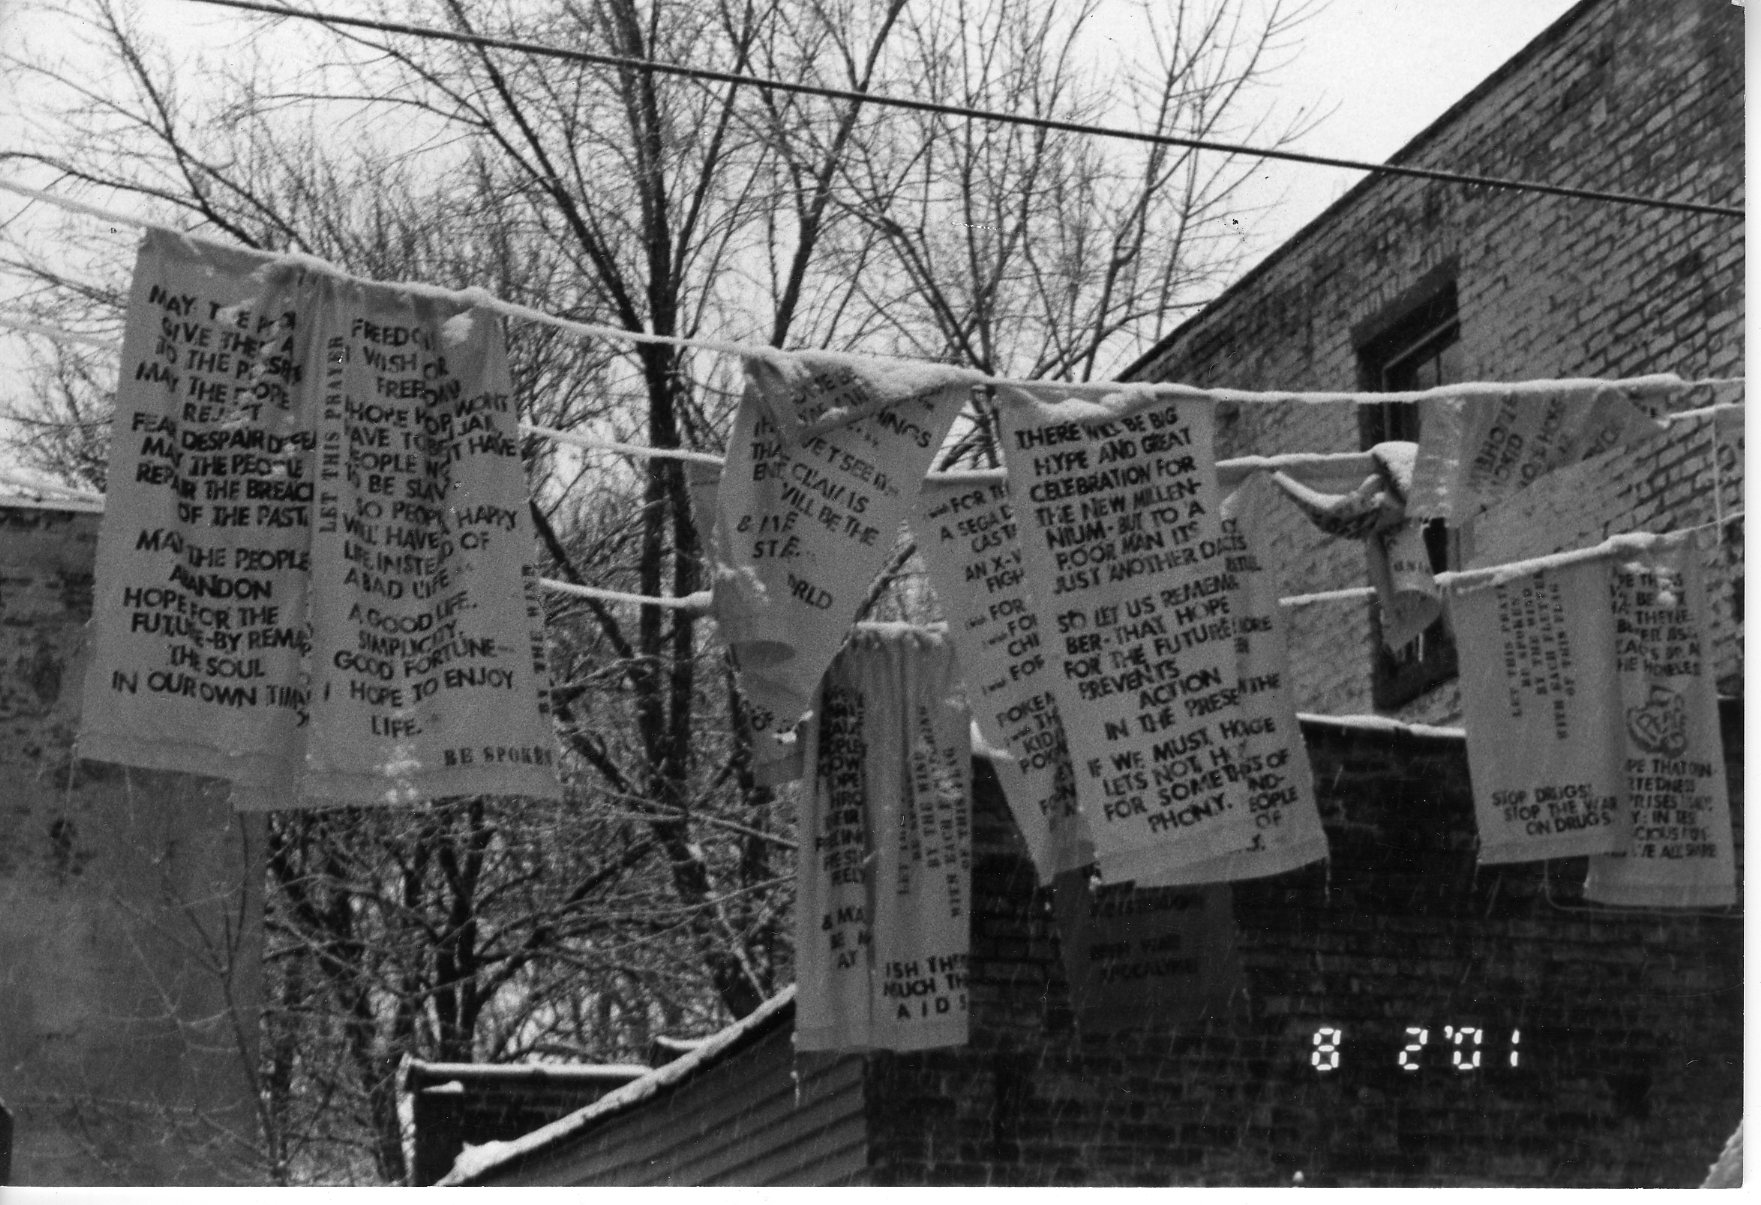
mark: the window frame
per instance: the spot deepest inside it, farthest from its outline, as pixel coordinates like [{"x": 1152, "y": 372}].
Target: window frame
[{"x": 1412, "y": 333}]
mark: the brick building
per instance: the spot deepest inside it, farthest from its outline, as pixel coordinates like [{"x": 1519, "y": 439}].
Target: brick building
[
  {"x": 1629, "y": 1034},
  {"x": 1406, "y": 284},
  {"x": 1628, "y": 1067}
]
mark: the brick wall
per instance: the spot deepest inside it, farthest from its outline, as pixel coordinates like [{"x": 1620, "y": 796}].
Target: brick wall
[
  {"x": 126, "y": 950},
  {"x": 1641, "y": 96},
  {"x": 1630, "y": 1024}
]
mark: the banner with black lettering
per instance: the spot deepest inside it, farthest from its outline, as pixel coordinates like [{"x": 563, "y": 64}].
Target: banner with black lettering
[
  {"x": 834, "y": 872},
  {"x": 1479, "y": 444},
  {"x": 806, "y": 393},
  {"x": 802, "y": 528},
  {"x": 967, "y": 534},
  {"x": 1680, "y": 854},
  {"x": 1541, "y": 706},
  {"x": 1270, "y": 754},
  {"x": 314, "y": 577},
  {"x": 427, "y": 622},
  {"x": 923, "y": 840},
  {"x": 1137, "y": 956},
  {"x": 1122, "y": 540},
  {"x": 884, "y": 878}
]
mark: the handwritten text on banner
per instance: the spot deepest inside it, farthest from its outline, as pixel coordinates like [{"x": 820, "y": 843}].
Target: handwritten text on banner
[
  {"x": 1129, "y": 569},
  {"x": 314, "y": 577}
]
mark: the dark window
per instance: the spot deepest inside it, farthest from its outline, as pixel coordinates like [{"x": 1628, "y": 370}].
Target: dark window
[{"x": 1420, "y": 349}]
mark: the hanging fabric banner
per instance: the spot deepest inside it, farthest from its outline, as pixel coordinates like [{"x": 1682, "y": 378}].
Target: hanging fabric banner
[
  {"x": 802, "y": 529},
  {"x": 966, "y": 532},
  {"x": 1681, "y": 852},
  {"x": 1406, "y": 588},
  {"x": 1127, "y": 567},
  {"x": 884, "y": 893},
  {"x": 1138, "y": 956},
  {"x": 315, "y": 577},
  {"x": 702, "y": 485},
  {"x": 199, "y": 632},
  {"x": 834, "y": 872},
  {"x": 808, "y": 393},
  {"x": 1394, "y": 544},
  {"x": 427, "y": 623},
  {"x": 923, "y": 854},
  {"x": 1480, "y": 444},
  {"x": 1541, "y": 706},
  {"x": 1268, "y": 747}
]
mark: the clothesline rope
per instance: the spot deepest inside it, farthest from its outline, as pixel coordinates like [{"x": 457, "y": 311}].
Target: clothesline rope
[
  {"x": 699, "y": 603},
  {"x": 1344, "y": 462},
  {"x": 483, "y": 298},
  {"x": 975, "y": 114},
  {"x": 1629, "y": 542}
]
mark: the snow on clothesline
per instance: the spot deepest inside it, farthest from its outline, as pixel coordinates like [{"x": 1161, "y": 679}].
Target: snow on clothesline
[
  {"x": 19, "y": 491},
  {"x": 1629, "y": 542},
  {"x": 1489, "y": 575},
  {"x": 698, "y": 603},
  {"x": 1232, "y": 470},
  {"x": 486, "y": 300}
]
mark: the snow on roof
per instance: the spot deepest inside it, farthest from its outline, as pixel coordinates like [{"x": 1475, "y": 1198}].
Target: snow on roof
[
  {"x": 501, "y": 1073},
  {"x": 1728, "y": 1171},
  {"x": 23, "y": 487},
  {"x": 476, "y": 1161}
]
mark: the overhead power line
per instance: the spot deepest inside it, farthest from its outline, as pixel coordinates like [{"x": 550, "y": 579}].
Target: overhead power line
[{"x": 926, "y": 106}]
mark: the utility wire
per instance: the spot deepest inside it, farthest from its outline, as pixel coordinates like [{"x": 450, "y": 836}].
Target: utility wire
[{"x": 926, "y": 106}]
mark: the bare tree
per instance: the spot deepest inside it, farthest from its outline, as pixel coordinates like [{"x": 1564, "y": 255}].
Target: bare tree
[
  {"x": 496, "y": 929},
  {"x": 1033, "y": 253}
]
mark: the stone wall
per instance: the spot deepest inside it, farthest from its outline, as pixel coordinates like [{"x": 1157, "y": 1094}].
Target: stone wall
[{"x": 130, "y": 915}]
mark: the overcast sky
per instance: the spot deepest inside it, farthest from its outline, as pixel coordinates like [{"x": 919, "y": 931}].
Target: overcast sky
[{"x": 1381, "y": 70}]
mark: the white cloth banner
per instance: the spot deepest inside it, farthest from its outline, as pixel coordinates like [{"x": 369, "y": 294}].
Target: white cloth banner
[
  {"x": 1681, "y": 851},
  {"x": 802, "y": 528},
  {"x": 923, "y": 862},
  {"x": 834, "y": 930},
  {"x": 1126, "y": 561},
  {"x": 1394, "y": 545},
  {"x": 1140, "y": 957},
  {"x": 806, "y": 393},
  {"x": 1485, "y": 443},
  {"x": 314, "y": 577},
  {"x": 967, "y": 534},
  {"x": 1268, "y": 746},
  {"x": 1406, "y": 590},
  {"x": 884, "y": 890},
  {"x": 1541, "y": 706}
]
